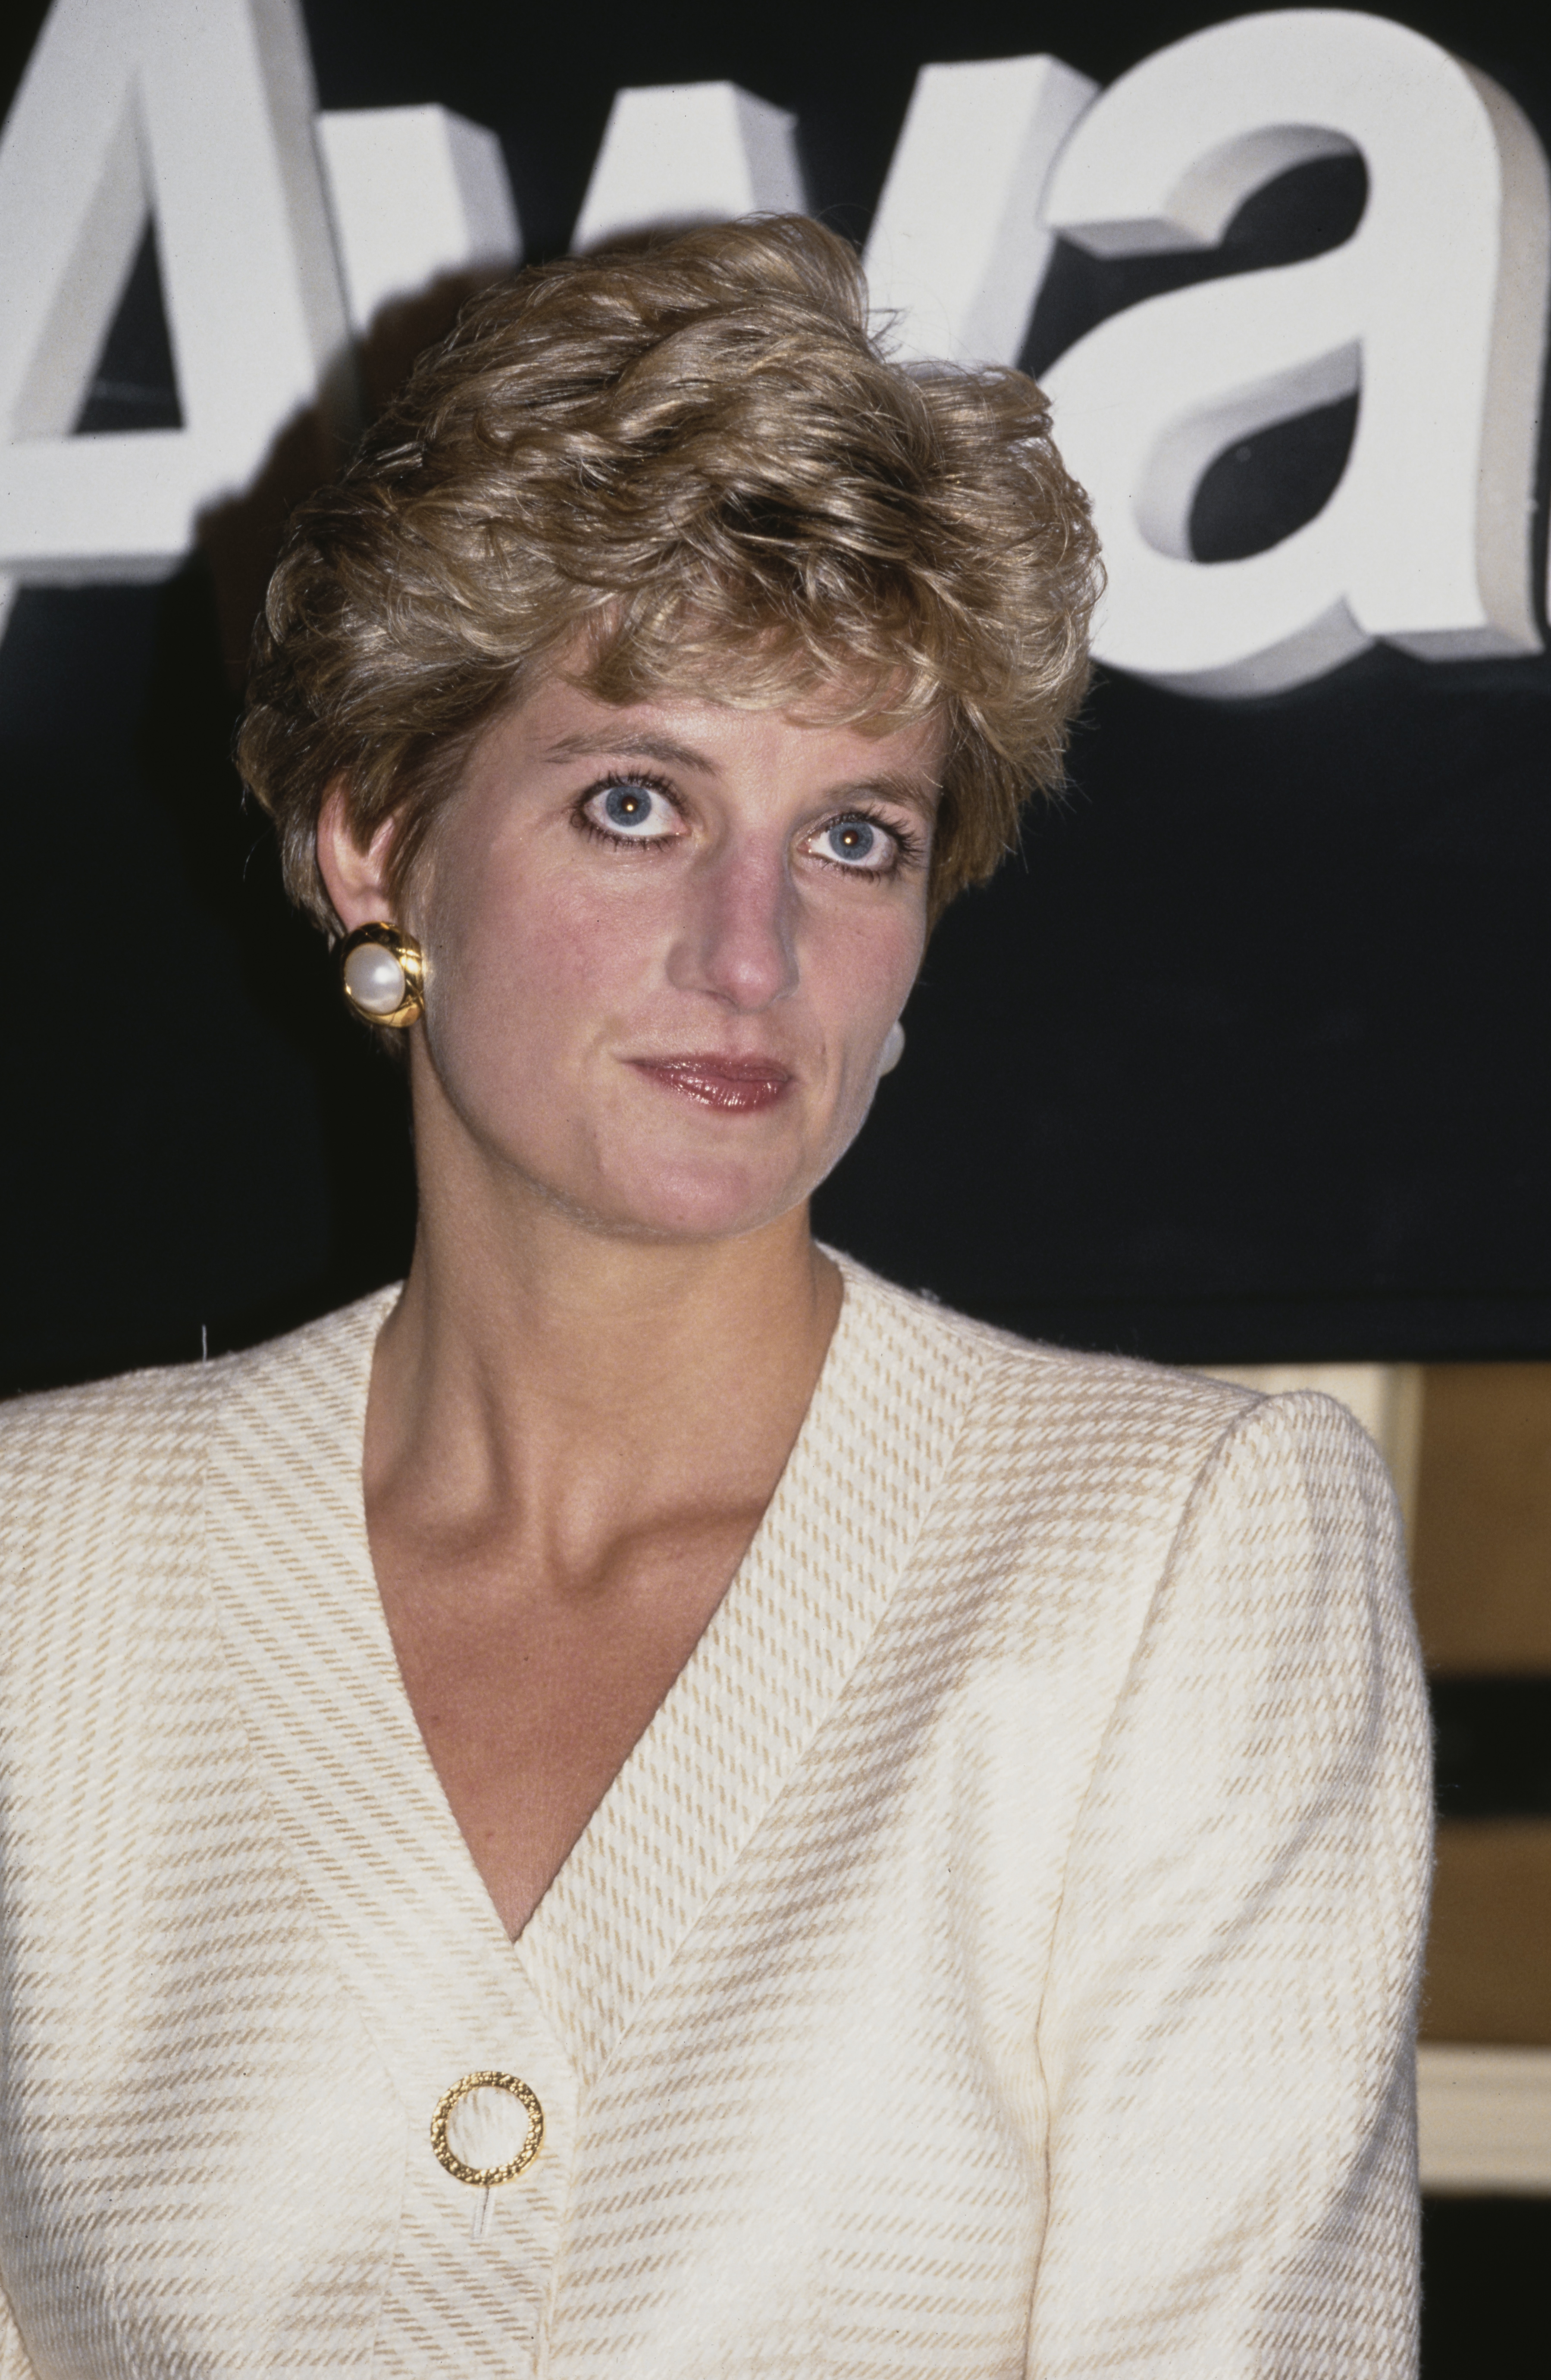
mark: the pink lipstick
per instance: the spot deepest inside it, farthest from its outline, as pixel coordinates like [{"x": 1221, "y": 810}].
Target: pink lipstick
[{"x": 735, "y": 1085}]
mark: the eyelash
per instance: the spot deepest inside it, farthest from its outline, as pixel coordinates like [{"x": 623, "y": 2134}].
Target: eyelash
[
  {"x": 909, "y": 849},
  {"x": 625, "y": 842}
]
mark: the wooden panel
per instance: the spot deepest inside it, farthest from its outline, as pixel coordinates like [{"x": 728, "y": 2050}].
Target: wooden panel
[
  {"x": 1484, "y": 2117},
  {"x": 1489, "y": 1954},
  {"x": 1482, "y": 1551}
]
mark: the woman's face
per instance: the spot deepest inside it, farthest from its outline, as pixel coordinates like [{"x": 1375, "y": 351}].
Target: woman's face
[{"x": 665, "y": 944}]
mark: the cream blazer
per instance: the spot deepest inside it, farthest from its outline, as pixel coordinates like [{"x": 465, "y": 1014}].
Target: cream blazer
[{"x": 997, "y": 1957}]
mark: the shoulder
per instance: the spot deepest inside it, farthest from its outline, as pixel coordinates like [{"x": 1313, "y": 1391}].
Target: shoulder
[
  {"x": 1083, "y": 1431},
  {"x": 50, "y": 1444},
  {"x": 1024, "y": 1389},
  {"x": 119, "y": 1451}
]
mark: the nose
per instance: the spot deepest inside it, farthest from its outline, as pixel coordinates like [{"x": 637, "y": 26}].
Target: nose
[{"x": 737, "y": 935}]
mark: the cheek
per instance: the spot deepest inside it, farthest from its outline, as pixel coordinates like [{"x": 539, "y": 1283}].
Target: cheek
[
  {"x": 864, "y": 975},
  {"x": 527, "y": 962}
]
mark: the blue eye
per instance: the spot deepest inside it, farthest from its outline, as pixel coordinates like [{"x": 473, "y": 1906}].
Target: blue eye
[
  {"x": 632, "y": 811},
  {"x": 855, "y": 843},
  {"x": 628, "y": 806}
]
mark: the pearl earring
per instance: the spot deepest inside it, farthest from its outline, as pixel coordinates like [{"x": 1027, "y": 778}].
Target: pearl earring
[
  {"x": 893, "y": 1047},
  {"x": 382, "y": 973}
]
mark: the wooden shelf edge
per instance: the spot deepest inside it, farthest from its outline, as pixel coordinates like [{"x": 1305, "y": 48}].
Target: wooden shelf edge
[{"x": 1484, "y": 2119}]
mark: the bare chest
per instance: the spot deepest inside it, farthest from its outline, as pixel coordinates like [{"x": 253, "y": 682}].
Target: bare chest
[{"x": 530, "y": 1693}]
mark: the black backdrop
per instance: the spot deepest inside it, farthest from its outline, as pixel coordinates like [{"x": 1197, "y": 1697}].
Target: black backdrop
[{"x": 1244, "y": 1061}]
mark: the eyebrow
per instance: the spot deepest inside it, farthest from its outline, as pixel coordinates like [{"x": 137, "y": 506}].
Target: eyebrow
[
  {"x": 640, "y": 746},
  {"x": 921, "y": 793}
]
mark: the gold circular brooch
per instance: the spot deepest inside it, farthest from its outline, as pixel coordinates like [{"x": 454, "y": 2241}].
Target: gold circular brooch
[{"x": 478, "y": 2126}]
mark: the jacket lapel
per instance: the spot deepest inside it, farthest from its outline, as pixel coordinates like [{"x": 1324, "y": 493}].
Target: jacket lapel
[
  {"x": 413, "y": 1933},
  {"x": 369, "y": 1826},
  {"x": 776, "y": 1656}
]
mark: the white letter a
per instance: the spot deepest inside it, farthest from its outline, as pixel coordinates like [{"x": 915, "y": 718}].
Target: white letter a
[
  {"x": 1434, "y": 310},
  {"x": 201, "y": 117}
]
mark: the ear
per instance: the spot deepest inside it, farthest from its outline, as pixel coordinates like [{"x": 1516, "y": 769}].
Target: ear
[{"x": 354, "y": 875}]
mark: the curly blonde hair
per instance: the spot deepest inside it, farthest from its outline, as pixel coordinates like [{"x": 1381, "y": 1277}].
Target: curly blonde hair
[{"x": 678, "y": 468}]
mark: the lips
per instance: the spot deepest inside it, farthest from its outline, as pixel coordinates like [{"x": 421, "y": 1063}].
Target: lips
[{"x": 735, "y": 1085}]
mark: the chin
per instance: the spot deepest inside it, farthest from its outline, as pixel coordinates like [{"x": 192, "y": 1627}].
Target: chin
[{"x": 699, "y": 1202}]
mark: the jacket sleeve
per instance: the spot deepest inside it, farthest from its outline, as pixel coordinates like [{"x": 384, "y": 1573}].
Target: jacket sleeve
[{"x": 1226, "y": 2037}]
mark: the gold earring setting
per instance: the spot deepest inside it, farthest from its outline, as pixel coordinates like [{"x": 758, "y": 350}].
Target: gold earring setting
[{"x": 382, "y": 973}]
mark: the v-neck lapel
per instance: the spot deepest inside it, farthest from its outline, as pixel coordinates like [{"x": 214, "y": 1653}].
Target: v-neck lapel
[
  {"x": 775, "y": 1658},
  {"x": 335, "y": 1742},
  {"x": 353, "y": 1785}
]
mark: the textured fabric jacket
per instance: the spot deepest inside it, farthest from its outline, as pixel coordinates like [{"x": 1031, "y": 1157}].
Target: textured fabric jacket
[{"x": 997, "y": 1957}]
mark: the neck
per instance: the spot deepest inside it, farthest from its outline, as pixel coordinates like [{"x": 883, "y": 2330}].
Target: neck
[{"x": 543, "y": 1369}]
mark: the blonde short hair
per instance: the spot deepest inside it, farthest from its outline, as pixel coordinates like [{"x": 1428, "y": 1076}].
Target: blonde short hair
[{"x": 688, "y": 468}]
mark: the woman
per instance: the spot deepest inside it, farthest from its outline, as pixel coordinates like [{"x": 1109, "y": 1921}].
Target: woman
[{"x": 651, "y": 1805}]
